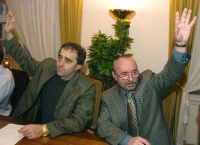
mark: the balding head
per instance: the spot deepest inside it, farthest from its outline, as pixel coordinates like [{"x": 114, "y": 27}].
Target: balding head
[
  {"x": 122, "y": 61},
  {"x": 125, "y": 72}
]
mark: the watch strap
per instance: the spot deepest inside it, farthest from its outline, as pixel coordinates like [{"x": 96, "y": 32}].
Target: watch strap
[{"x": 44, "y": 130}]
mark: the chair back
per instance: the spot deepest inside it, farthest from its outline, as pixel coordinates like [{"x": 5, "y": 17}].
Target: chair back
[
  {"x": 99, "y": 89},
  {"x": 21, "y": 82}
]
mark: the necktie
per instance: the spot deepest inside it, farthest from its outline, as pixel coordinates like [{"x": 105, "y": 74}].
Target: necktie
[{"x": 132, "y": 120}]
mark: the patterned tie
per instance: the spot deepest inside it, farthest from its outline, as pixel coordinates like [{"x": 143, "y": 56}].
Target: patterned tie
[{"x": 132, "y": 120}]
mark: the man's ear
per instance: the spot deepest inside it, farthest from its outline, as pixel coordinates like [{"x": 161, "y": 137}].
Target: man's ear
[
  {"x": 114, "y": 76},
  {"x": 78, "y": 67}
]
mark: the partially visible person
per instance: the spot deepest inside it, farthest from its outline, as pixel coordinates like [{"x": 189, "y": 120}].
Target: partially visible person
[
  {"x": 7, "y": 85},
  {"x": 59, "y": 98},
  {"x": 147, "y": 89}
]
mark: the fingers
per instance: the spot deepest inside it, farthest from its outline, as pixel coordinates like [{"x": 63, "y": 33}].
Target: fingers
[
  {"x": 187, "y": 19},
  {"x": 138, "y": 141},
  {"x": 28, "y": 134},
  {"x": 23, "y": 130},
  {"x": 193, "y": 21},
  {"x": 31, "y": 131},
  {"x": 183, "y": 17},
  {"x": 11, "y": 16},
  {"x": 144, "y": 141},
  {"x": 9, "y": 26},
  {"x": 183, "y": 25},
  {"x": 177, "y": 19}
]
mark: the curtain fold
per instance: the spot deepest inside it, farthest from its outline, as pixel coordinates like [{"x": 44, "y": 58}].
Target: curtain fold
[
  {"x": 37, "y": 25},
  {"x": 192, "y": 87},
  {"x": 182, "y": 100},
  {"x": 70, "y": 20}
]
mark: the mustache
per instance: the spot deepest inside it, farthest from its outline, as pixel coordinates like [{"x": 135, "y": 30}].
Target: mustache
[{"x": 132, "y": 82}]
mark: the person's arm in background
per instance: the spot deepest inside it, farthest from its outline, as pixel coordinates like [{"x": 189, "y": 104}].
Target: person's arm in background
[
  {"x": 18, "y": 53},
  {"x": 6, "y": 85},
  {"x": 9, "y": 26}
]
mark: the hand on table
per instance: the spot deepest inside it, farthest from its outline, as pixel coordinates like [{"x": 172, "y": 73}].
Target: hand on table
[
  {"x": 31, "y": 131},
  {"x": 138, "y": 141}
]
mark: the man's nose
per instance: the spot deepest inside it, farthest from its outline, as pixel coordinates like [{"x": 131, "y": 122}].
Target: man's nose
[
  {"x": 131, "y": 77},
  {"x": 61, "y": 62}
]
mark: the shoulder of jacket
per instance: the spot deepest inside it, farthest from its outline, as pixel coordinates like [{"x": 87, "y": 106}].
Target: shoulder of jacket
[
  {"x": 48, "y": 60},
  {"x": 146, "y": 74},
  {"x": 81, "y": 81},
  {"x": 111, "y": 92}
]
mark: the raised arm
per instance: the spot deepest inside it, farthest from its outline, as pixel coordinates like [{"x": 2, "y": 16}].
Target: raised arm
[
  {"x": 9, "y": 26},
  {"x": 182, "y": 29}
]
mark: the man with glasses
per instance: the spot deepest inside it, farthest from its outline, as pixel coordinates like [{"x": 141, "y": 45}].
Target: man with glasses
[{"x": 131, "y": 111}]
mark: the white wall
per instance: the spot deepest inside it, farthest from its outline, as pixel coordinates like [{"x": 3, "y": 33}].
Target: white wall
[{"x": 149, "y": 28}]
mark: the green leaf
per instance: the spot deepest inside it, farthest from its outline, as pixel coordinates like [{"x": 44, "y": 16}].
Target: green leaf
[{"x": 105, "y": 49}]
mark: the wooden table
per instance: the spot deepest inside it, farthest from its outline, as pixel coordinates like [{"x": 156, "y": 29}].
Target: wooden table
[{"x": 81, "y": 138}]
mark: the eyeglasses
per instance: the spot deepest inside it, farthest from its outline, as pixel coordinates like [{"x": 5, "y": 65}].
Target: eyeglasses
[{"x": 125, "y": 75}]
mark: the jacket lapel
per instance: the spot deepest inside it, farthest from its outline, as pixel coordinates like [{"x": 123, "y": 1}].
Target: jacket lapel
[
  {"x": 118, "y": 102},
  {"x": 69, "y": 88},
  {"x": 45, "y": 76}
]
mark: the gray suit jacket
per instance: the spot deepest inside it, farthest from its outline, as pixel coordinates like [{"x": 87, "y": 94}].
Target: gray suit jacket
[
  {"x": 112, "y": 120},
  {"x": 75, "y": 106}
]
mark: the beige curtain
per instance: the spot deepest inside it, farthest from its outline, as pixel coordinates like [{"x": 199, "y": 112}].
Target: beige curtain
[
  {"x": 70, "y": 20},
  {"x": 192, "y": 87},
  {"x": 179, "y": 5},
  {"x": 37, "y": 25}
]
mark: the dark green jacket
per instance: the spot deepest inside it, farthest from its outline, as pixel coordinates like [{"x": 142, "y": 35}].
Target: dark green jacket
[{"x": 75, "y": 106}]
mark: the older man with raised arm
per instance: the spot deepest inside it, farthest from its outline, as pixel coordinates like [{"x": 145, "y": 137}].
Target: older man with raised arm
[{"x": 131, "y": 111}]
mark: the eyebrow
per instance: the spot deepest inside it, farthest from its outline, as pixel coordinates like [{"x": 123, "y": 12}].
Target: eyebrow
[
  {"x": 127, "y": 71},
  {"x": 66, "y": 58}
]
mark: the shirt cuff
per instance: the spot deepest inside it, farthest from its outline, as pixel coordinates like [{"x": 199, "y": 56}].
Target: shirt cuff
[
  {"x": 125, "y": 140},
  {"x": 181, "y": 57}
]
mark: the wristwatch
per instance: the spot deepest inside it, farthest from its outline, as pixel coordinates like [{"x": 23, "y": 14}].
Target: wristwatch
[
  {"x": 181, "y": 44},
  {"x": 44, "y": 130}
]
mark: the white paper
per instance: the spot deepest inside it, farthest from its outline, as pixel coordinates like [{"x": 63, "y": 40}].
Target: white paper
[{"x": 9, "y": 134}]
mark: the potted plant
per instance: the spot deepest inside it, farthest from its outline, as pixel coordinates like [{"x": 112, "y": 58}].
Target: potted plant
[{"x": 105, "y": 49}]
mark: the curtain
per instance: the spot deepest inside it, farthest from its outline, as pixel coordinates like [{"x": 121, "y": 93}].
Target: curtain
[
  {"x": 182, "y": 101},
  {"x": 70, "y": 20},
  {"x": 37, "y": 25},
  {"x": 192, "y": 87}
]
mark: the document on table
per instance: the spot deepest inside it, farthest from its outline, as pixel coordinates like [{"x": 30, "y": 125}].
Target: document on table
[{"x": 9, "y": 134}]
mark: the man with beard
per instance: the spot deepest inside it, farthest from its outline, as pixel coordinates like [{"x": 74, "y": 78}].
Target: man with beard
[{"x": 145, "y": 92}]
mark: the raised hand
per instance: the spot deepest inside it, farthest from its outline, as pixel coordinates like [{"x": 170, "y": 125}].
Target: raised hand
[
  {"x": 183, "y": 26},
  {"x": 9, "y": 26}
]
